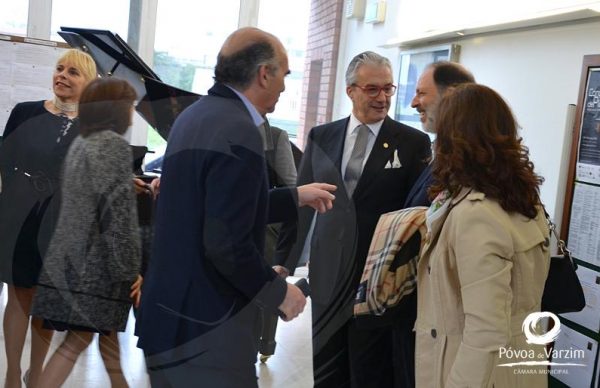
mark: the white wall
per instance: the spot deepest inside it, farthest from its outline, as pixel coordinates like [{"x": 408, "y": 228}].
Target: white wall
[
  {"x": 357, "y": 37},
  {"x": 537, "y": 71}
]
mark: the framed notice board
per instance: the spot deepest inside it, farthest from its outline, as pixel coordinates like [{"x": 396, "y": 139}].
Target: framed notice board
[
  {"x": 26, "y": 67},
  {"x": 581, "y": 213},
  {"x": 580, "y": 228}
]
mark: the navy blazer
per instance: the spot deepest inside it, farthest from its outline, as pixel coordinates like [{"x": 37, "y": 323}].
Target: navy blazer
[
  {"x": 207, "y": 259},
  {"x": 418, "y": 195},
  {"x": 342, "y": 236}
]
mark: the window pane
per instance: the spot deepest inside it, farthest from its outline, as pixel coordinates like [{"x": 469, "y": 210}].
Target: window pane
[
  {"x": 188, "y": 37},
  {"x": 13, "y": 17},
  {"x": 411, "y": 68},
  {"x": 112, "y": 15},
  {"x": 293, "y": 32}
]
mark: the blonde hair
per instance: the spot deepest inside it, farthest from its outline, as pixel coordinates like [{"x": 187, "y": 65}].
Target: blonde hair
[{"x": 82, "y": 61}]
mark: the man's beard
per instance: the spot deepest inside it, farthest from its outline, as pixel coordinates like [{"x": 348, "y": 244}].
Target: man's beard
[{"x": 429, "y": 125}]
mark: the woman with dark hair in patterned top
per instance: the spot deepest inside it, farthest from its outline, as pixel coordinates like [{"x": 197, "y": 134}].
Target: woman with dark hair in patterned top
[{"x": 94, "y": 255}]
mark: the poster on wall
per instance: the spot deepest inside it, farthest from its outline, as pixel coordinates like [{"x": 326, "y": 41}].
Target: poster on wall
[
  {"x": 584, "y": 228},
  {"x": 588, "y": 155},
  {"x": 25, "y": 74},
  {"x": 577, "y": 354}
]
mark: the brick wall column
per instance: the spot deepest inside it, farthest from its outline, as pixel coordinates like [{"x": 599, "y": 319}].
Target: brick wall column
[{"x": 321, "y": 65}]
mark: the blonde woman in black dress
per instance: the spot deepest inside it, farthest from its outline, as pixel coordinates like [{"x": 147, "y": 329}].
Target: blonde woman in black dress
[{"x": 35, "y": 142}]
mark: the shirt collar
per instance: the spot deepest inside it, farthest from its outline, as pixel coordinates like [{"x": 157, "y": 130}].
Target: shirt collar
[
  {"x": 374, "y": 127},
  {"x": 256, "y": 117}
]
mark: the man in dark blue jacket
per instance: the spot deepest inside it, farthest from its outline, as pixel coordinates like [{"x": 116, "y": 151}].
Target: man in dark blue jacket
[
  {"x": 437, "y": 77},
  {"x": 207, "y": 276},
  {"x": 431, "y": 86}
]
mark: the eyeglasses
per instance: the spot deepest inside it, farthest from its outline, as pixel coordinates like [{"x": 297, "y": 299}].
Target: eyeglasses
[{"x": 373, "y": 91}]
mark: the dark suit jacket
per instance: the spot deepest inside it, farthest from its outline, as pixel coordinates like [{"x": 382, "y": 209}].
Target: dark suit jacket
[
  {"x": 342, "y": 236},
  {"x": 207, "y": 261},
  {"x": 418, "y": 195}
]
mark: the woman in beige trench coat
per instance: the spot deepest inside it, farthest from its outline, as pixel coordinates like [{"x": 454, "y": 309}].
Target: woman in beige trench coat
[{"x": 486, "y": 257}]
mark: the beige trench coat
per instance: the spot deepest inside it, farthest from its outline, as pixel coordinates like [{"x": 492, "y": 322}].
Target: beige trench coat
[{"x": 482, "y": 271}]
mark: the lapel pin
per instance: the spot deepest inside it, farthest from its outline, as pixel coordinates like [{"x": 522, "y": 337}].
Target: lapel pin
[{"x": 386, "y": 145}]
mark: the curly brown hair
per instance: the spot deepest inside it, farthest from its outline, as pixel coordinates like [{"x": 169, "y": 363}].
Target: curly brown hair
[{"x": 478, "y": 146}]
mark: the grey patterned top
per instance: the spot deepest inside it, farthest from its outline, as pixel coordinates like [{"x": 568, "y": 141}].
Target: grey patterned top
[{"x": 94, "y": 254}]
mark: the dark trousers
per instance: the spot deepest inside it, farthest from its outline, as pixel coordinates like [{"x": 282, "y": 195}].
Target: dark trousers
[
  {"x": 194, "y": 374},
  {"x": 223, "y": 357},
  {"x": 404, "y": 342},
  {"x": 355, "y": 357},
  {"x": 404, "y": 356}
]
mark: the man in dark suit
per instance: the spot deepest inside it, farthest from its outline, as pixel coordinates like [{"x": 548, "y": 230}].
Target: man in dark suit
[
  {"x": 207, "y": 275},
  {"x": 433, "y": 82},
  {"x": 373, "y": 160}
]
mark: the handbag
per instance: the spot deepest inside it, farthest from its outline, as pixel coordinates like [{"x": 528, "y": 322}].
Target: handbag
[{"x": 562, "y": 292}]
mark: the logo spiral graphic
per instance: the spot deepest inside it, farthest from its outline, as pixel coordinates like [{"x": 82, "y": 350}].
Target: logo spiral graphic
[{"x": 529, "y": 328}]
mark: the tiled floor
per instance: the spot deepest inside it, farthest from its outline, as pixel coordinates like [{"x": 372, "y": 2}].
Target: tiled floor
[{"x": 289, "y": 367}]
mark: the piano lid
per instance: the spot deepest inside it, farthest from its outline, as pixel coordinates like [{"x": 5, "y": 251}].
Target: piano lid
[
  {"x": 109, "y": 50},
  {"x": 162, "y": 104},
  {"x": 159, "y": 103}
]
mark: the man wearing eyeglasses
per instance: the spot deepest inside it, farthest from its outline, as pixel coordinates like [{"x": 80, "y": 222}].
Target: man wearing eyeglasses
[{"x": 374, "y": 161}]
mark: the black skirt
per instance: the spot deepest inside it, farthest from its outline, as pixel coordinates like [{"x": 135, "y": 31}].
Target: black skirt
[{"x": 27, "y": 258}]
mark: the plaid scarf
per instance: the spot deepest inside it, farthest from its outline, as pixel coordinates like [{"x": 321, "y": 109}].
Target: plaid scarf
[{"x": 384, "y": 282}]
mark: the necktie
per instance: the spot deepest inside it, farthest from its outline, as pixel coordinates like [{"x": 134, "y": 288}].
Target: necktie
[{"x": 354, "y": 167}]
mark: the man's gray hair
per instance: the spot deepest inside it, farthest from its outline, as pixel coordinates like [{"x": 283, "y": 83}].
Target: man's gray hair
[
  {"x": 240, "y": 68},
  {"x": 364, "y": 58}
]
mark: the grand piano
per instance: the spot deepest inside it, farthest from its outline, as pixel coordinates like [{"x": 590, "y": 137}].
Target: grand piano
[{"x": 160, "y": 103}]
